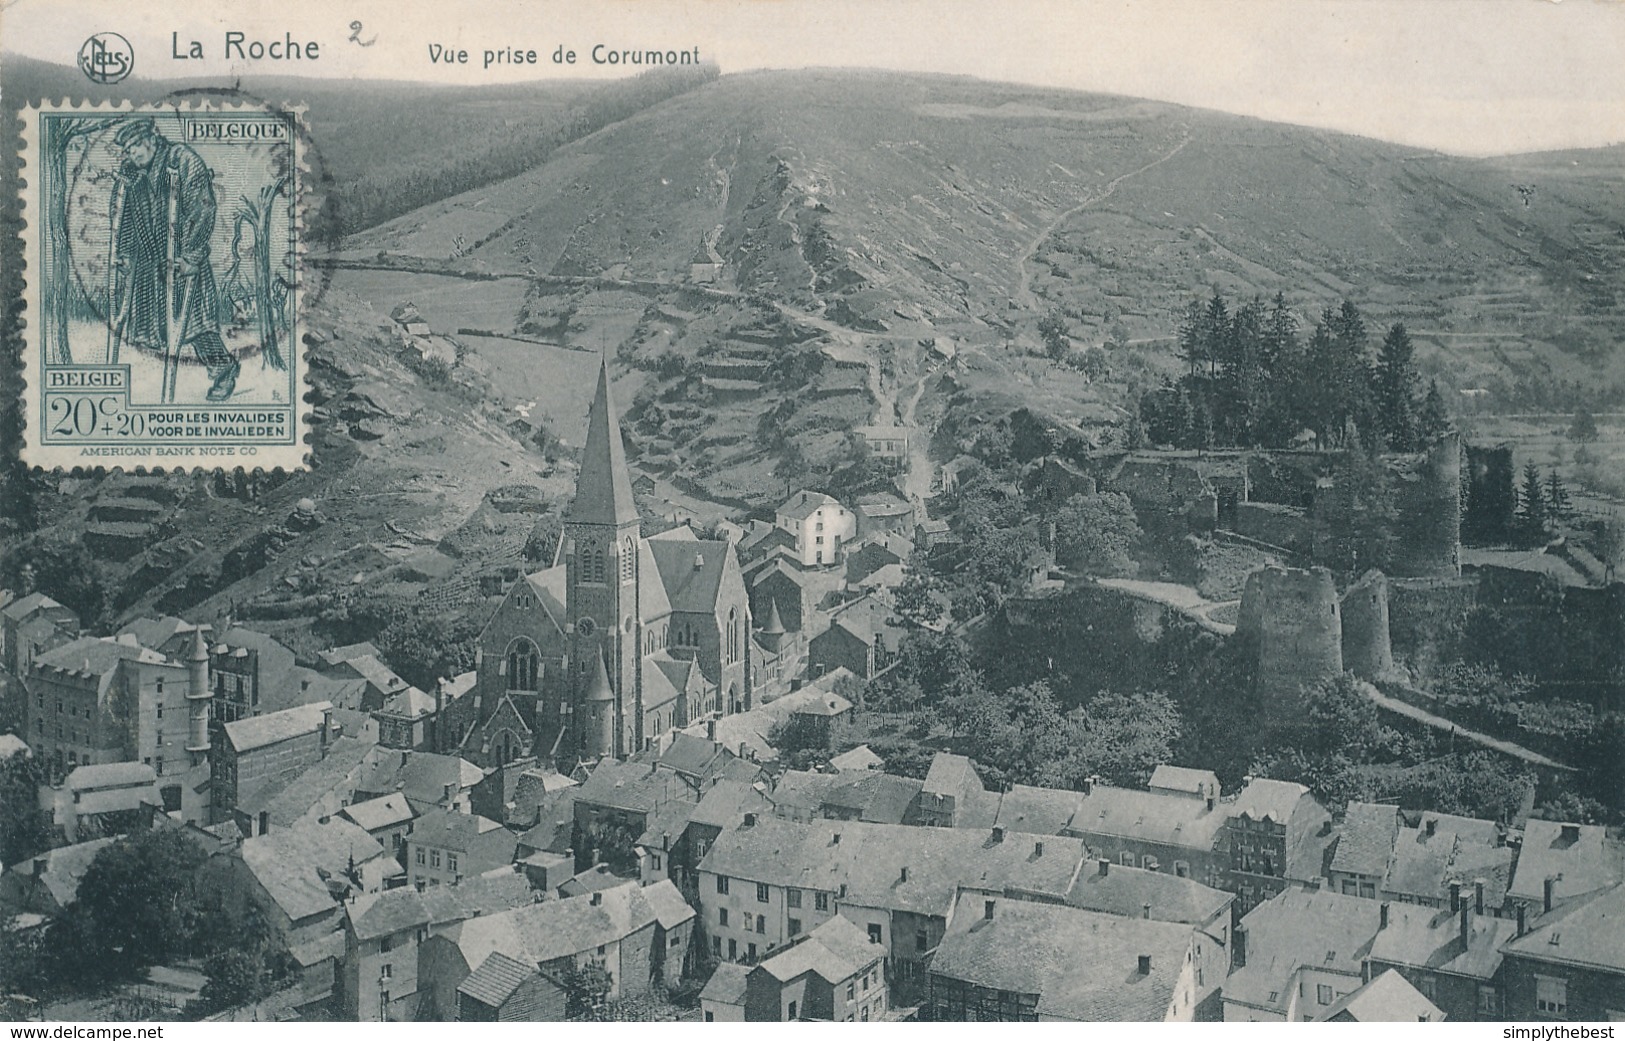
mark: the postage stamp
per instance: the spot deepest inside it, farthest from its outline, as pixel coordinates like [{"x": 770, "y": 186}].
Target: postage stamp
[{"x": 163, "y": 267}]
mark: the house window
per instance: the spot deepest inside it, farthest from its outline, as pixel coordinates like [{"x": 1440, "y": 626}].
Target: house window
[
  {"x": 1368, "y": 889},
  {"x": 1425, "y": 984},
  {"x": 821, "y": 901},
  {"x": 434, "y": 858},
  {"x": 792, "y": 897},
  {"x": 791, "y": 1012},
  {"x": 761, "y": 923},
  {"x": 451, "y": 862},
  {"x": 851, "y": 990},
  {"x": 1182, "y": 869},
  {"x": 748, "y": 920},
  {"x": 722, "y": 884},
  {"x": 922, "y": 942},
  {"x": 160, "y": 710},
  {"x": 1127, "y": 859},
  {"x": 733, "y": 949},
  {"x": 716, "y": 946},
  {"x": 750, "y": 952},
  {"x": 874, "y": 932},
  {"x": 1551, "y": 995},
  {"x": 795, "y": 926},
  {"x": 158, "y": 766},
  {"x": 654, "y": 861},
  {"x": 421, "y": 857},
  {"x": 709, "y": 1017},
  {"x": 722, "y": 916},
  {"x": 1488, "y": 1002},
  {"x": 386, "y": 971},
  {"x": 386, "y": 945},
  {"x": 761, "y": 892},
  {"x": 1323, "y": 993}
]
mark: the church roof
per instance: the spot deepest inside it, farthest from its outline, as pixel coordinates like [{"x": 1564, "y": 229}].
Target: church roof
[
  {"x": 604, "y": 487},
  {"x": 653, "y": 603},
  {"x": 775, "y": 624},
  {"x": 692, "y": 572},
  {"x": 600, "y": 689}
]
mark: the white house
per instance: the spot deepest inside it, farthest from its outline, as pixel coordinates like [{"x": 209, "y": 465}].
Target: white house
[{"x": 820, "y": 526}]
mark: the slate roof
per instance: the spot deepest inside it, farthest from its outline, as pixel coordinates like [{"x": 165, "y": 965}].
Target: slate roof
[
  {"x": 286, "y": 862},
  {"x": 591, "y": 880},
  {"x": 690, "y": 587},
  {"x": 1082, "y": 965},
  {"x": 1430, "y": 938},
  {"x": 292, "y": 798},
  {"x": 1042, "y": 811},
  {"x": 727, "y": 984},
  {"x": 1126, "y": 891},
  {"x": 245, "y": 735},
  {"x": 950, "y": 774},
  {"x": 1582, "y": 860},
  {"x": 1302, "y": 926},
  {"x": 383, "y": 812},
  {"x": 409, "y": 702},
  {"x": 1186, "y": 780},
  {"x": 24, "y": 606},
  {"x": 540, "y": 933},
  {"x": 549, "y": 587},
  {"x": 638, "y": 787},
  {"x": 835, "y": 951},
  {"x": 110, "y": 775},
  {"x": 690, "y": 755},
  {"x": 1366, "y": 840},
  {"x": 1389, "y": 998},
  {"x": 725, "y": 804},
  {"x": 877, "y": 797},
  {"x": 1265, "y": 799},
  {"x": 64, "y": 867},
  {"x": 658, "y": 688},
  {"x": 484, "y": 842},
  {"x": 870, "y": 861},
  {"x": 494, "y": 982},
  {"x": 1175, "y": 820},
  {"x": 11, "y": 744},
  {"x": 97, "y": 656},
  {"x": 804, "y": 504},
  {"x": 337, "y": 655},
  {"x": 1584, "y": 932},
  {"x": 667, "y": 824},
  {"x": 860, "y": 758},
  {"x": 421, "y": 775},
  {"x": 603, "y": 485}
]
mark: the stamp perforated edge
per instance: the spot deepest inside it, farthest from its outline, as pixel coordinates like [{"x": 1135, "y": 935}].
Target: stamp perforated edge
[{"x": 37, "y": 456}]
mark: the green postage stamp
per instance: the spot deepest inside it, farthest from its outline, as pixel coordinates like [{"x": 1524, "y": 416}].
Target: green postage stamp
[{"x": 163, "y": 267}]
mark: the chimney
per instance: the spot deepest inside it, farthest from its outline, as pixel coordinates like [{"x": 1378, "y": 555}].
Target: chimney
[
  {"x": 987, "y": 910},
  {"x": 1550, "y": 891},
  {"x": 1466, "y": 924},
  {"x": 1145, "y": 910},
  {"x": 1570, "y": 833},
  {"x": 1210, "y": 801},
  {"x": 998, "y": 833},
  {"x": 1105, "y": 866},
  {"x": 1145, "y": 965},
  {"x": 1431, "y": 826},
  {"x": 835, "y": 838},
  {"x": 1523, "y": 917},
  {"x": 1455, "y": 894},
  {"x": 1238, "y": 949},
  {"x": 1382, "y": 916},
  {"x": 902, "y": 874},
  {"x": 710, "y": 730},
  {"x": 1038, "y": 849},
  {"x": 39, "y": 866},
  {"x": 1088, "y": 783},
  {"x": 1478, "y": 896},
  {"x": 750, "y": 820},
  {"x": 597, "y": 899},
  {"x": 446, "y": 792}
]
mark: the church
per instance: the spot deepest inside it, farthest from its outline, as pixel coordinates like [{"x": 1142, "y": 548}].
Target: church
[{"x": 624, "y": 639}]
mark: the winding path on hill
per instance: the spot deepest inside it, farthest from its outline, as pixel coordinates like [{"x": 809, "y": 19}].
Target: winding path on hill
[{"x": 1024, "y": 292}]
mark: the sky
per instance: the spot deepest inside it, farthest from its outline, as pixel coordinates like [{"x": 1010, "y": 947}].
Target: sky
[{"x": 1472, "y": 77}]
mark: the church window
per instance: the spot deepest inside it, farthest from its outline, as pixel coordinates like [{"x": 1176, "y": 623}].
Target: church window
[
  {"x": 627, "y": 556},
  {"x": 523, "y": 664}
]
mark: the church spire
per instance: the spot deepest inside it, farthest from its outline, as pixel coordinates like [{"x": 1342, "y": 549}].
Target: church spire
[{"x": 604, "y": 487}]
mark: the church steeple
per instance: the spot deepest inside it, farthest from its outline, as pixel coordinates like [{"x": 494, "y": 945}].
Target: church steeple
[{"x": 604, "y": 487}]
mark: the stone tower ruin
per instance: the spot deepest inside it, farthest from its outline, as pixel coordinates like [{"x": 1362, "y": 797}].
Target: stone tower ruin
[
  {"x": 1366, "y": 649},
  {"x": 1293, "y": 618}
]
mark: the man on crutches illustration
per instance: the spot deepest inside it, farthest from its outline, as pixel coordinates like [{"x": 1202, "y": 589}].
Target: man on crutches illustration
[{"x": 165, "y": 219}]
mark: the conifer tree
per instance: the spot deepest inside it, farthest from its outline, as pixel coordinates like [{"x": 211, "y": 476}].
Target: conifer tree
[
  {"x": 1532, "y": 503},
  {"x": 1558, "y": 506},
  {"x": 1394, "y": 388},
  {"x": 1433, "y": 422}
]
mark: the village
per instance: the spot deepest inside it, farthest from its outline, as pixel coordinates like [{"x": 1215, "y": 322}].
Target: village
[{"x": 649, "y": 800}]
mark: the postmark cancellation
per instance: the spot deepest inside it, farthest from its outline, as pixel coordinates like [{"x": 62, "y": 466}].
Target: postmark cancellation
[{"x": 163, "y": 298}]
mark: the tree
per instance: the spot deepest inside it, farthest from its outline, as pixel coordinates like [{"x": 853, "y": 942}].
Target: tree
[
  {"x": 1558, "y": 505},
  {"x": 1118, "y": 737},
  {"x": 25, "y": 829},
  {"x": 1584, "y": 427},
  {"x": 1354, "y": 522},
  {"x": 1394, "y": 388},
  {"x": 1532, "y": 515},
  {"x": 1052, "y": 329},
  {"x": 1433, "y": 422},
  {"x": 586, "y": 990},
  {"x": 913, "y": 600},
  {"x": 1094, "y": 533},
  {"x": 137, "y": 899}
]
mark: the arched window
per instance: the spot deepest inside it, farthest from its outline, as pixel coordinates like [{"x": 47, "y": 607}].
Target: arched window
[
  {"x": 524, "y": 665},
  {"x": 627, "y": 557}
]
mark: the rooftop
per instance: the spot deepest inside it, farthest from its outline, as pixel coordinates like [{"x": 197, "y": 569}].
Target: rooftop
[
  {"x": 383, "y": 812},
  {"x": 835, "y": 951},
  {"x": 1366, "y": 840},
  {"x": 539, "y": 933},
  {"x": 1389, "y": 998},
  {"x": 1122, "y": 890},
  {"x": 804, "y": 504},
  {"x": 1199, "y": 784},
  {"x": 1302, "y": 927},
  {"x": 1584, "y": 932},
  {"x": 1578, "y": 856},
  {"x": 246, "y": 735},
  {"x": 1430, "y": 938},
  {"x": 293, "y": 865}
]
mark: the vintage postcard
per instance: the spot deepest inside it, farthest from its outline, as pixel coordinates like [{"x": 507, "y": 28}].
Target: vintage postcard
[{"x": 682, "y": 512}]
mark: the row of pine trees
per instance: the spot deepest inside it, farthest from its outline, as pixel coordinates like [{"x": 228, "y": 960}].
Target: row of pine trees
[{"x": 1252, "y": 380}]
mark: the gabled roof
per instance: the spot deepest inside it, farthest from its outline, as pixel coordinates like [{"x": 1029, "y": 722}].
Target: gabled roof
[
  {"x": 1367, "y": 839},
  {"x": 666, "y": 824},
  {"x": 1389, "y": 998},
  {"x": 1174, "y": 820},
  {"x": 1186, "y": 780},
  {"x": 548, "y": 585},
  {"x": 537, "y": 934},
  {"x": 1429, "y": 938},
  {"x": 1577, "y": 855},
  {"x": 96, "y": 656},
  {"x": 1300, "y": 926},
  {"x": 1265, "y": 799},
  {"x": 494, "y": 982},
  {"x": 245, "y": 735},
  {"x": 950, "y": 774},
  {"x": 603, "y": 486},
  {"x": 1082, "y": 965},
  {"x": 691, "y": 572},
  {"x": 1584, "y": 932},
  {"x": 1122, "y": 890},
  {"x": 338, "y": 655},
  {"x": 860, "y": 758},
  {"x": 289, "y": 863},
  {"x": 64, "y": 867},
  {"x": 691, "y": 755},
  {"x": 485, "y": 842},
  {"x": 658, "y": 689},
  {"x": 804, "y": 504},
  {"x": 725, "y": 804},
  {"x": 383, "y": 812},
  {"x": 727, "y": 984},
  {"x": 110, "y": 775},
  {"x": 423, "y": 776},
  {"x": 835, "y": 951},
  {"x": 292, "y": 799},
  {"x": 1041, "y": 811},
  {"x": 24, "y": 606}
]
